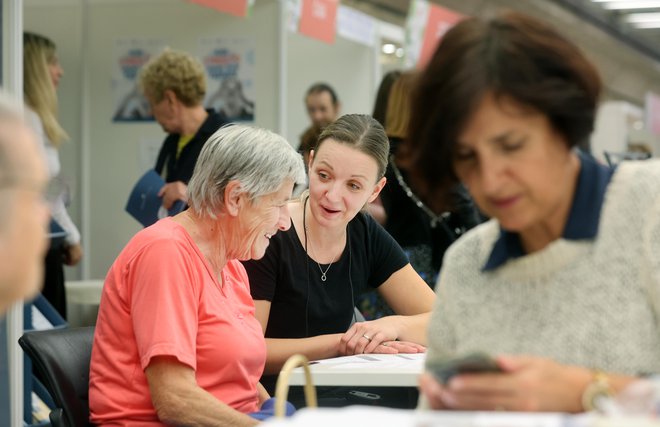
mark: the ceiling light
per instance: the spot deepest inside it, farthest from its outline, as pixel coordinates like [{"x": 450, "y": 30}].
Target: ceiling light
[
  {"x": 646, "y": 25},
  {"x": 634, "y": 18},
  {"x": 632, "y": 4},
  {"x": 399, "y": 52},
  {"x": 388, "y": 48}
]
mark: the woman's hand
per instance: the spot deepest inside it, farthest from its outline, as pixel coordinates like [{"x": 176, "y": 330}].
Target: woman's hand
[
  {"x": 376, "y": 336},
  {"x": 173, "y": 191},
  {"x": 72, "y": 254},
  {"x": 263, "y": 394},
  {"x": 527, "y": 384}
]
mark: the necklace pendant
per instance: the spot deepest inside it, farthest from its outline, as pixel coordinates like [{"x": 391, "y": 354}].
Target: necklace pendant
[{"x": 323, "y": 277}]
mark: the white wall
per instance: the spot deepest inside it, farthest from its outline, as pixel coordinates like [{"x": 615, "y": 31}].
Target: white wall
[
  {"x": 113, "y": 148},
  {"x": 103, "y": 157},
  {"x": 347, "y": 66}
]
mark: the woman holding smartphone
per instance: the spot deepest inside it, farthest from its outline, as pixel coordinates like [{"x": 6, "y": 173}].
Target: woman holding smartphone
[{"x": 562, "y": 285}]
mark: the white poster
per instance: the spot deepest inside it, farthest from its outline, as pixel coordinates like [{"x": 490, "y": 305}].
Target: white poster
[
  {"x": 356, "y": 26},
  {"x": 229, "y": 65},
  {"x": 418, "y": 15},
  {"x": 129, "y": 57}
]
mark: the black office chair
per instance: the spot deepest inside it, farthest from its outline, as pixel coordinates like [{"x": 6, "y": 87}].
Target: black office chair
[{"x": 61, "y": 357}]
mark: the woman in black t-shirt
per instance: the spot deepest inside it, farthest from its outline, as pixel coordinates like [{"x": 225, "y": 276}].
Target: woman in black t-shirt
[{"x": 306, "y": 286}]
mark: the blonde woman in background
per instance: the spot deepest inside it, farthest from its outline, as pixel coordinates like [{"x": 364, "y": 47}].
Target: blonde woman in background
[{"x": 42, "y": 73}]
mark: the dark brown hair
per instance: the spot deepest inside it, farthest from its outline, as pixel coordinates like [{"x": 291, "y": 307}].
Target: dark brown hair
[
  {"x": 361, "y": 132},
  {"x": 512, "y": 56},
  {"x": 323, "y": 87}
]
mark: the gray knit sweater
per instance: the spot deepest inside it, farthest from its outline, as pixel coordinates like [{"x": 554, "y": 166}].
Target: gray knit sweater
[{"x": 593, "y": 303}]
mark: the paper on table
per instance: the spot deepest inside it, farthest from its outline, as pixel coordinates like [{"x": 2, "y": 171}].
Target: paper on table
[{"x": 385, "y": 361}]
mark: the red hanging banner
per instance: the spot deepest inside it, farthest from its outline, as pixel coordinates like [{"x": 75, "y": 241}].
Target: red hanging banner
[
  {"x": 318, "y": 19},
  {"x": 232, "y": 7},
  {"x": 440, "y": 20}
]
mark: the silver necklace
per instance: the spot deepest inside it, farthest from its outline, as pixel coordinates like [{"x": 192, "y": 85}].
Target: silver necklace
[
  {"x": 435, "y": 219},
  {"x": 323, "y": 273}
]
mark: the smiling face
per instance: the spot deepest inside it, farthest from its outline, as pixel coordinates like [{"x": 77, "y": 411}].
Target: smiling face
[
  {"x": 342, "y": 180},
  {"x": 261, "y": 218},
  {"x": 516, "y": 166}
]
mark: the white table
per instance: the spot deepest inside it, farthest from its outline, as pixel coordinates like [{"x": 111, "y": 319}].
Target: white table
[
  {"x": 82, "y": 300},
  {"x": 386, "y": 417},
  {"x": 388, "y": 370}
]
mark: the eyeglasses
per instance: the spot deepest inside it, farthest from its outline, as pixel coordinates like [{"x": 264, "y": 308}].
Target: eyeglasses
[{"x": 53, "y": 191}]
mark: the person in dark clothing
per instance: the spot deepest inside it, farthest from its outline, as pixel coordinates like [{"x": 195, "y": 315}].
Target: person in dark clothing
[
  {"x": 174, "y": 83},
  {"x": 307, "y": 284},
  {"x": 423, "y": 234}
]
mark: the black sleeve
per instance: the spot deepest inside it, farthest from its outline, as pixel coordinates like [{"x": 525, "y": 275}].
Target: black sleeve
[
  {"x": 465, "y": 210},
  {"x": 385, "y": 256},
  {"x": 262, "y": 273}
]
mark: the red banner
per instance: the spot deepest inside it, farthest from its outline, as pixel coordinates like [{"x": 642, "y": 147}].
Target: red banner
[
  {"x": 318, "y": 19},
  {"x": 232, "y": 7},
  {"x": 440, "y": 20}
]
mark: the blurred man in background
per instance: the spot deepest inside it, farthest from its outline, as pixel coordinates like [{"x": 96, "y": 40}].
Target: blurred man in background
[{"x": 323, "y": 108}]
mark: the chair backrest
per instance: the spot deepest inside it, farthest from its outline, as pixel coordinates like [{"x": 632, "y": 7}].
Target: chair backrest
[{"x": 61, "y": 357}]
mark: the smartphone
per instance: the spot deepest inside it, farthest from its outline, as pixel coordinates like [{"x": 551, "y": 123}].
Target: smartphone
[{"x": 470, "y": 363}]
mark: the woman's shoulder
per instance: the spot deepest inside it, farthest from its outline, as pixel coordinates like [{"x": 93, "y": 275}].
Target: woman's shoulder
[
  {"x": 33, "y": 120},
  {"x": 640, "y": 170},
  {"x": 364, "y": 226},
  {"x": 635, "y": 183},
  {"x": 474, "y": 246}
]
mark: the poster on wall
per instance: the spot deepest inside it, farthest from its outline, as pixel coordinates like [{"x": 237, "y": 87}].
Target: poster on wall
[
  {"x": 426, "y": 25},
  {"x": 229, "y": 65},
  {"x": 129, "y": 57},
  {"x": 318, "y": 19},
  {"x": 240, "y": 8}
]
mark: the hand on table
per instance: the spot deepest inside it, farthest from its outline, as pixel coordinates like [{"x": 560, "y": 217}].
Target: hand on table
[{"x": 376, "y": 336}]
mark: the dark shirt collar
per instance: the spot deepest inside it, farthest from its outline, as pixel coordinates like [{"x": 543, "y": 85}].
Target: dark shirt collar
[{"x": 583, "y": 218}]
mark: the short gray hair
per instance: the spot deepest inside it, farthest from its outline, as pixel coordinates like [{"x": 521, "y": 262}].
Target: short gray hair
[{"x": 257, "y": 158}]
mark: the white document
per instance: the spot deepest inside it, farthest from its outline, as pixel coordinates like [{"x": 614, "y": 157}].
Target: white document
[
  {"x": 381, "y": 361},
  {"x": 364, "y": 370}
]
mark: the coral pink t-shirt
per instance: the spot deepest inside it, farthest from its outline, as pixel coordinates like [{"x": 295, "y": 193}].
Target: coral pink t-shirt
[{"x": 161, "y": 298}]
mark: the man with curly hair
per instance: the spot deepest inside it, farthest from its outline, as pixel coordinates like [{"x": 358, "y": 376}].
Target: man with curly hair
[{"x": 174, "y": 83}]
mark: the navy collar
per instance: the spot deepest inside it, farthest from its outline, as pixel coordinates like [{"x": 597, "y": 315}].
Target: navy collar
[{"x": 583, "y": 218}]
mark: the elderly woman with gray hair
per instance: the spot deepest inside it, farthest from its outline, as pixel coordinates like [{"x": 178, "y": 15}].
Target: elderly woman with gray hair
[{"x": 176, "y": 339}]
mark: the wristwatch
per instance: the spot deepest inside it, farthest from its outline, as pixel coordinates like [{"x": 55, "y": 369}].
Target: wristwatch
[{"x": 598, "y": 389}]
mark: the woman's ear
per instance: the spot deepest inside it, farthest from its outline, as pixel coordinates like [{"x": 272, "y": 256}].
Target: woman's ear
[
  {"x": 170, "y": 96},
  {"x": 234, "y": 196},
  {"x": 377, "y": 189},
  {"x": 311, "y": 159}
]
